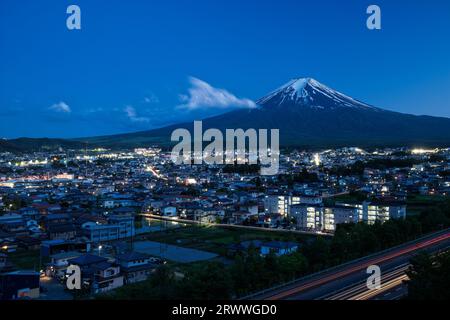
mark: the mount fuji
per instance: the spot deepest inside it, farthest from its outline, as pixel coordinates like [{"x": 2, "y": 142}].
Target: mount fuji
[
  {"x": 310, "y": 115},
  {"x": 307, "y": 92}
]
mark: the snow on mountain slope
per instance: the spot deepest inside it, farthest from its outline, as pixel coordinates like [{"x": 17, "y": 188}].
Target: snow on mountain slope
[{"x": 307, "y": 92}]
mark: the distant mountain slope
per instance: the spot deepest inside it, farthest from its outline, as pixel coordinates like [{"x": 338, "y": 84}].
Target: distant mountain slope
[
  {"x": 7, "y": 146},
  {"x": 38, "y": 144},
  {"x": 308, "y": 114}
]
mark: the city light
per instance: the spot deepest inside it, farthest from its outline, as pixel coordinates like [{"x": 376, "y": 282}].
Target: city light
[
  {"x": 317, "y": 159},
  {"x": 423, "y": 151}
]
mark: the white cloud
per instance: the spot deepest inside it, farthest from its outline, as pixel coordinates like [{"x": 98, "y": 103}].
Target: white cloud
[
  {"x": 61, "y": 107},
  {"x": 203, "y": 95},
  {"x": 132, "y": 115},
  {"x": 151, "y": 98}
]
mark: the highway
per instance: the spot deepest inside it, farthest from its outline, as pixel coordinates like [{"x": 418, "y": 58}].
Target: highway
[
  {"x": 392, "y": 286},
  {"x": 347, "y": 281}
]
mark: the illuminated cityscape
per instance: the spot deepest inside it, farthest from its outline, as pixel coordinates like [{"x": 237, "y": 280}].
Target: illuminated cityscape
[
  {"x": 224, "y": 158},
  {"x": 113, "y": 208}
]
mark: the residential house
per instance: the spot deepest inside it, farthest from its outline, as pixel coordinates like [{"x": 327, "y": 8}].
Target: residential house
[
  {"x": 279, "y": 248},
  {"x": 169, "y": 211},
  {"x": 135, "y": 266},
  {"x": 28, "y": 243},
  {"x": 64, "y": 232},
  {"x": 244, "y": 246},
  {"x": 51, "y": 247},
  {"x": 19, "y": 285},
  {"x": 119, "y": 227},
  {"x": 98, "y": 274},
  {"x": 59, "y": 262}
]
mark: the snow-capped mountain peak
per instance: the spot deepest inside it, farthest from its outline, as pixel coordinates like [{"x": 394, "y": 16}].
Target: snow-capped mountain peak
[{"x": 308, "y": 92}]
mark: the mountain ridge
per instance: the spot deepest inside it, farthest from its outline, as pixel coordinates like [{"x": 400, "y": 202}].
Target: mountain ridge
[{"x": 308, "y": 113}]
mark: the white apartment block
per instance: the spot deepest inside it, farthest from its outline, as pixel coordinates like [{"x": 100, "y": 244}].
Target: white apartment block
[
  {"x": 320, "y": 218},
  {"x": 281, "y": 204}
]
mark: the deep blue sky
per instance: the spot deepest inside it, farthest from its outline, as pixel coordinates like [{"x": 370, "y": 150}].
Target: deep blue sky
[{"x": 129, "y": 66}]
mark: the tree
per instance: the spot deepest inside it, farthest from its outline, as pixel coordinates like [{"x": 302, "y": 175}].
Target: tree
[
  {"x": 318, "y": 254},
  {"x": 342, "y": 246},
  {"x": 429, "y": 277},
  {"x": 209, "y": 281},
  {"x": 433, "y": 219},
  {"x": 271, "y": 274},
  {"x": 292, "y": 266}
]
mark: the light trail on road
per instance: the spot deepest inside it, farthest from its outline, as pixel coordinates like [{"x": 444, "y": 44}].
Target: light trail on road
[
  {"x": 362, "y": 292},
  {"x": 363, "y": 265}
]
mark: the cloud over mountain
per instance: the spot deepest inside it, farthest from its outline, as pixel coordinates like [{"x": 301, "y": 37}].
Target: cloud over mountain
[
  {"x": 204, "y": 96},
  {"x": 60, "y": 107}
]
